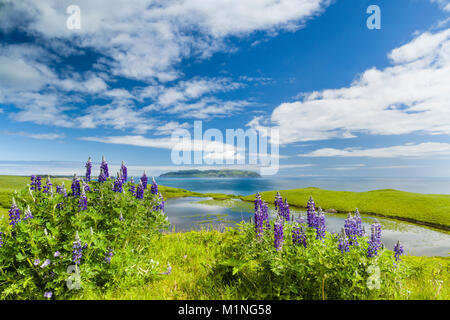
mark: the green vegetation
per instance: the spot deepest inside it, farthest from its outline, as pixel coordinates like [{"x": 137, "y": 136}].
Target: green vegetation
[
  {"x": 201, "y": 269},
  {"x": 226, "y": 173},
  {"x": 428, "y": 209}
]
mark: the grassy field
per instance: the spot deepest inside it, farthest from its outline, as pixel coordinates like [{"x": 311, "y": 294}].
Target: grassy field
[
  {"x": 192, "y": 257},
  {"x": 428, "y": 209}
]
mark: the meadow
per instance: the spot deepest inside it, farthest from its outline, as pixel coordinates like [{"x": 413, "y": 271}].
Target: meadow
[{"x": 129, "y": 253}]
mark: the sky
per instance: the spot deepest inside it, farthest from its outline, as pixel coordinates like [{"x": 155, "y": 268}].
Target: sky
[{"x": 347, "y": 101}]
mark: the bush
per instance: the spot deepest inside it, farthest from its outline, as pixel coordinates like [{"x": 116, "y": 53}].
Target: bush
[{"x": 59, "y": 244}]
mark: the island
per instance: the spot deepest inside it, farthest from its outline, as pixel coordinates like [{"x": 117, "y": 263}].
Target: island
[{"x": 226, "y": 173}]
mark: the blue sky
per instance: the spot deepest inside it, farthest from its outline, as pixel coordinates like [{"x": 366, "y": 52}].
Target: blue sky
[{"x": 347, "y": 101}]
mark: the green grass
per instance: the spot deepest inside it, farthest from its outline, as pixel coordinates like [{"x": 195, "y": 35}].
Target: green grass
[
  {"x": 192, "y": 256},
  {"x": 429, "y": 209}
]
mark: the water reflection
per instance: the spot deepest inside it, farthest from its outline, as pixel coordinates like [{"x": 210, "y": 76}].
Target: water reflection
[{"x": 193, "y": 213}]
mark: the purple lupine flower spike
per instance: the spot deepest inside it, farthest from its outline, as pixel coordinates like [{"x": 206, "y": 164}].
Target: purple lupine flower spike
[
  {"x": 343, "y": 245},
  {"x": 374, "y": 241},
  {"x": 108, "y": 255},
  {"x": 278, "y": 234},
  {"x": 144, "y": 180},
  {"x": 82, "y": 202},
  {"x": 118, "y": 184},
  {"x": 28, "y": 214},
  {"x": 124, "y": 172},
  {"x": 76, "y": 188},
  {"x": 140, "y": 191},
  {"x": 88, "y": 169},
  {"x": 101, "y": 176},
  {"x": 320, "y": 225},
  {"x": 14, "y": 213},
  {"x": 77, "y": 252},
  {"x": 104, "y": 166},
  {"x": 154, "y": 187},
  {"x": 48, "y": 186},
  {"x": 1, "y": 239},
  {"x": 287, "y": 212},
  {"x": 398, "y": 249},
  {"x": 311, "y": 213},
  {"x": 132, "y": 188}
]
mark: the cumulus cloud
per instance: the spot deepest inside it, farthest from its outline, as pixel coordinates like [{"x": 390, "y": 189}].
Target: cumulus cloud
[{"x": 410, "y": 96}]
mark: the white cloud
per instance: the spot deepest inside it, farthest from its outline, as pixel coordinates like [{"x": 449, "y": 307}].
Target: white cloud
[
  {"x": 425, "y": 149},
  {"x": 411, "y": 96},
  {"x": 38, "y": 136}
]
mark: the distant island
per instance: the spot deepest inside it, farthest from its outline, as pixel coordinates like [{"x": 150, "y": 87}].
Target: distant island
[{"x": 228, "y": 173}]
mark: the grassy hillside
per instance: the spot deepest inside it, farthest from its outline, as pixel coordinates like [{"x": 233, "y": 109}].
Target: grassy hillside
[{"x": 431, "y": 209}]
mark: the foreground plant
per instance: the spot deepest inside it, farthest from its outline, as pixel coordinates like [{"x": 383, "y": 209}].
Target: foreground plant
[{"x": 55, "y": 238}]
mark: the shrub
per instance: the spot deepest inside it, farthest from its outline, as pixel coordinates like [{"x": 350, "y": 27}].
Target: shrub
[{"x": 88, "y": 237}]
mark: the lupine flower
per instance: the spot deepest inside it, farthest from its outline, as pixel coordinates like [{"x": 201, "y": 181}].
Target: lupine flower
[
  {"x": 48, "y": 186},
  {"x": 132, "y": 188},
  {"x": 258, "y": 201},
  {"x": 104, "y": 167},
  {"x": 102, "y": 177},
  {"x": 118, "y": 184},
  {"x": 86, "y": 186},
  {"x": 46, "y": 263},
  {"x": 14, "y": 213},
  {"x": 76, "y": 188},
  {"x": 398, "y": 249},
  {"x": 1, "y": 239},
  {"x": 77, "y": 252},
  {"x": 299, "y": 235},
  {"x": 61, "y": 189},
  {"x": 351, "y": 229},
  {"x": 124, "y": 172},
  {"x": 343, "y": 242},
  {"x": 320, "y": 225},
  {"x": 278, "y": 233},
  {"x": 36, "y": 262},
  {"x": 88, "y": 169},
  {"x": 265, "y": 214},
  {"x": 140, "y": 191},
  {"x": 311, "y": 213},
  {"x": 121, "y": 216},
  {"x": 161, "y": 203},
  {"x": 169, "y": 269},
  {"x": 57, "y": 254},
  {"x": 154, "y": 187},
  {"x": 144, "y": 181},
  {"x": 28, "y": 214},
  {"x": 108, "y": 256},
  {"x": 287, "y": 212},
  {"x": 359, "y": 227},
  {"x": 36, "y": 183},
  {"x": 258, "y": 222},
  {"x": 374, "y": 241},
  {"x": 82, "y": 202},
  {"x": 48, "y": 294},
  {"x": 278, "y": 203}
]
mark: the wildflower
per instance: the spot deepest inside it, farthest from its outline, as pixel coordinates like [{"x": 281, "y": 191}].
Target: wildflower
[
  {"x": 48, "y": 186},
  {"x": 343, "y": 242},
  {"x": 14, "y": 213},
  {"x": 102, "y": 177},
  {"x": 36, "y": 262},
  {"x": 36, "y": 183},
  {"x": 28, "y": 214},
  {"x": 278, "y": 233},
  {"x": 132, "y": 188},
  {"x": 169, "y": 269},
  {"x": 161, "y": 203},
  {"x": 311, "y": 212},
  {"x": 398, "y": 249},
  {"x": 88, "y": 169},
  {"x": 278, "y": 203},
  {"x": 258, "y": 201},
  {"x": 320, "y": 225},
  {"x": 265, "y": 214},
  {"x": 359, "y": 227},
  {"x": 1, "y": 239},
  {"x": 296, "y": 234},
  {"x": 108, "y": 256},
  {"x": 140, "y": 191},
  {"x": 46, "y": 263},
  {"x": 76, "y": 188},
  {"x": 144, "y": 181},
  {"x": 86, "y": 186},
  {"x": 77, "y": 252},
  {"x": 121, "y": 216},
  {"x": 82, "y": 202},
  {"x": 48, "y": 294},
  {"x": 258, "y": 222},
  {"x": 351, "y": 229},
  {"x": 118, "y": 184},
  {"x": 61, "y": 189},
  {"x": 104, "y": 167},
  {"x": 57, "y": 254},
  {"x": 124, "y": 172},
  {"x": 374, "y": 241},
  {"x": 286, "y": 210}
]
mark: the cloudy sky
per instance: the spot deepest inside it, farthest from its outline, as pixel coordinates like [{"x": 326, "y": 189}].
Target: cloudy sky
[{"x": 347, "y": 101}]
